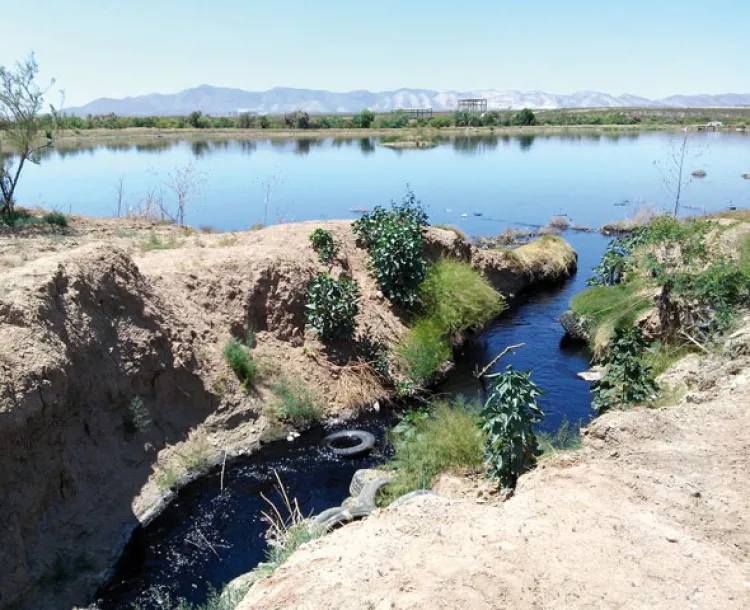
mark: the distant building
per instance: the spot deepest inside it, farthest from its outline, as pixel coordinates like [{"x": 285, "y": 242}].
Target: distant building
[
  {"x": 478, "y": 104},
  {"x": 415, "y": 113},
  {"x": 713, "y": 125}
]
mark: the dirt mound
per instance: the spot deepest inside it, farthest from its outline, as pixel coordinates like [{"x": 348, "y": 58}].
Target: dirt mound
[
  {"x": 105, "y": 312},
  {"x": 654, "y": 512}
]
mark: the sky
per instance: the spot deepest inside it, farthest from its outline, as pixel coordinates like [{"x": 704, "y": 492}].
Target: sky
[{"x": 654, "y": 48}]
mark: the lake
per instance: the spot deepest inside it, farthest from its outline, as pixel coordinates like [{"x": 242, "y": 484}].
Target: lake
[{"x": 509, "y": 180}]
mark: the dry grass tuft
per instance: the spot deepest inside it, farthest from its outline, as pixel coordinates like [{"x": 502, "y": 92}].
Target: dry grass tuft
[
  {"x": 459, "y": 233},
  {"x": 549, "y": 257},
  {"x": 358, "y": 385},
  {"x": 561, "y": 223}
]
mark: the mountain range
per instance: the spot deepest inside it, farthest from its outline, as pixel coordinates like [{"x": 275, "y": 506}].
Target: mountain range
[{"x": 225, "y": 101}]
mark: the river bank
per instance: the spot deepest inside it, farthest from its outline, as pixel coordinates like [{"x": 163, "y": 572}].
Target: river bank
[
  {"x": 108, "y": 324},
  {"x": 652, "y": 512},
  {"x": 67, "y": 139}
]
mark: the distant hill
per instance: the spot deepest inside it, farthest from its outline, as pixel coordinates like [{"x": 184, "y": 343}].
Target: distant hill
[{"x": 223, "y": 100}]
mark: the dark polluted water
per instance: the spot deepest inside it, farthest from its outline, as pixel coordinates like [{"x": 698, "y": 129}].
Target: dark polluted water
[
  {"x": 207, "y": 537},
  {"x": 553, "y": 360}
]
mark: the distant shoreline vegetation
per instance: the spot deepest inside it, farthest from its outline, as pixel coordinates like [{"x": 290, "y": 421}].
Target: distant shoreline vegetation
[{"x": 400, "y": 119}]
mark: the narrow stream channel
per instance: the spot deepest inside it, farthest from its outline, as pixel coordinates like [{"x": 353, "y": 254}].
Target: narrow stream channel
[{"x": 207, "y": 537}]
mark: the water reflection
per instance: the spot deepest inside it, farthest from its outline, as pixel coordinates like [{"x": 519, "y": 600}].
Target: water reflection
[{"x": 465, "y": 144}]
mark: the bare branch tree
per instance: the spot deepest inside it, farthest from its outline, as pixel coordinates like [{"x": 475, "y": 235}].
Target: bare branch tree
[
  {"x": 268, "y": 185},
  {"x": 120, "y": 191},
  {"x": 21, "y": 101},
  {"x": 185, "y": 182},
  {"x": 674, "y": 177}
]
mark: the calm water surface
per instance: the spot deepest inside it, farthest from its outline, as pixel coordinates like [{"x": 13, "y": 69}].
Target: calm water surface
[{"x": 510, "y": 179}]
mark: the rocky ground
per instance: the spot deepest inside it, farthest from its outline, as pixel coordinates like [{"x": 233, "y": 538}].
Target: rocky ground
[
  {"x": 107, "y": 310},
  {"x": 653, "y": 512}
]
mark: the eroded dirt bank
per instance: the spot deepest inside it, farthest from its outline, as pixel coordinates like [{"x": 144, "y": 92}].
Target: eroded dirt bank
[
  {"x": 653, "y": 512},
  {"x": 106, "y": 311}
]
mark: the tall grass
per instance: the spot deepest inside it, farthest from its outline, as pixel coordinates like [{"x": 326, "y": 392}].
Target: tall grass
[
  {"x": 238, "y": 357},
  {"x": 454, "y": 299},
  {"x": 604, "y": 309},
  {"x": 449, "y": 439},
  {"x": 295, "y": 403},
  {"x": 457, "y": 298}
]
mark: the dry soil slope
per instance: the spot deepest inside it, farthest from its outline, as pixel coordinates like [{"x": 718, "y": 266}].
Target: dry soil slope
[
  {"x": 654, "y": 512},
  {"x": 88, "y": 322}
]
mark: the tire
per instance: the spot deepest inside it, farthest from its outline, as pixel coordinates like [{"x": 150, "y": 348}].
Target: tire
[{"x": 364, "y": 442}]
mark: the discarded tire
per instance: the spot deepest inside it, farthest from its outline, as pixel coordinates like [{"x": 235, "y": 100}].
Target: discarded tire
[{"x": 349, "y": 443}]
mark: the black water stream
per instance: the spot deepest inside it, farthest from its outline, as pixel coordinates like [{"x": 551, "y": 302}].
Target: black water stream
[{"x": 207, "y": 537}]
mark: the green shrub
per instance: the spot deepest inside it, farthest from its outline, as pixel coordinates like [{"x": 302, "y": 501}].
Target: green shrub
[
  {"x": 137, "y": 418},
  {"x": 239, "y": 359},
  {"x": 440, "y": 122},
  {"x": 566, "y": 438},
  {"x": 55, "y": 218},
  {"x": 395, "y": 241},
  {"x": 524, "y": 117},
  {"x": 508, "y": 416},
  {"x": 332, "y": 306},
  {"x": 454, "y": 298},
  {"x": 617, "y": 259},
  {"x": 294, "y": 537},
  {"x": 296, "y": 404},
  {"x": 457, "y": 298},
  {"x": 428, "y": 444},
  {"x": 324, "y": 245},
  {"x": 364, "y": 119},
  {"x": 375, "y": 353},
  {"x": 424, "y": 351},
  {"x": 605, "y": 309},
  {"x": 627, "y": 378}
]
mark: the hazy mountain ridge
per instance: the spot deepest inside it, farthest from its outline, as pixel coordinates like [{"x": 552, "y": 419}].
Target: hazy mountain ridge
[{"x": 225, "y": 100}]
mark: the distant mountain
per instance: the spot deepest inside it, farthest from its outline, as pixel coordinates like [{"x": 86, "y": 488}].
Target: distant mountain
[{"x": 223, "y": 100}]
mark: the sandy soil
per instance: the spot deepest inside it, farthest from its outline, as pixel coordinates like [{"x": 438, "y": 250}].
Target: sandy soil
[
  {"x": 106, "y": 310},
  {"x": 653, "y": 512}
]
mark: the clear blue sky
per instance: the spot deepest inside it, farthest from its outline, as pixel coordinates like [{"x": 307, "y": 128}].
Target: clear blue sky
[{"x": 98, "y": 48}]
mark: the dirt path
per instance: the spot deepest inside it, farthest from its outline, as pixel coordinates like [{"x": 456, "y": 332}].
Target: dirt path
[{"x": 654, "y": 512}]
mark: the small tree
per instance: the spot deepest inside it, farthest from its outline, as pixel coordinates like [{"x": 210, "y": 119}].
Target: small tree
[
  {"x": 194, "y": 119},
  {"x": 21, "y": 101},
  {"x": 246, "y": 120},
  {"x": 507, "y": 419},
  {"x": 364, "y": 119},
  {"x": 186, "y": 183},
  {"x": 674, "y": 177},
  {"x": 524, "y": 117}
]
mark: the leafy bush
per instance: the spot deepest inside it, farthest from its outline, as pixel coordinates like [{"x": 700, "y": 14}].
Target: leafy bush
[
  {"x": 524, "y": 117},
  {"x": 424, "y": 351},
  {"x": 137, "y": 418},
  {"x": 55, "y": 218},
  {"x": 18, "y": 218},
  {"x": 617, "y": 259},
  {"x": 296, "y": 404},
  {"x": 238, "y": 357},
  {"x": 395, "y": 241},
  {"x": 567, "y": 437},
  {"x": 441, "y": 121},
  {"x": 508, "y": 416},
  {"x": 332, "y": 306},
  {"x": 375, "y": 353},
  {"x": 364, "y": 119},
  {"x": 457, "y": 298},
  {"x": 246, "y": 120},
  {"x": 324, "y": 245},
  {"x": 627, "y": 378},
  {"x": 427, "y": 444}
]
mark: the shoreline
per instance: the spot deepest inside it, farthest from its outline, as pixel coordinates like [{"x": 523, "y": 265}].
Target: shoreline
[{"x": 70, "y": 138}]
